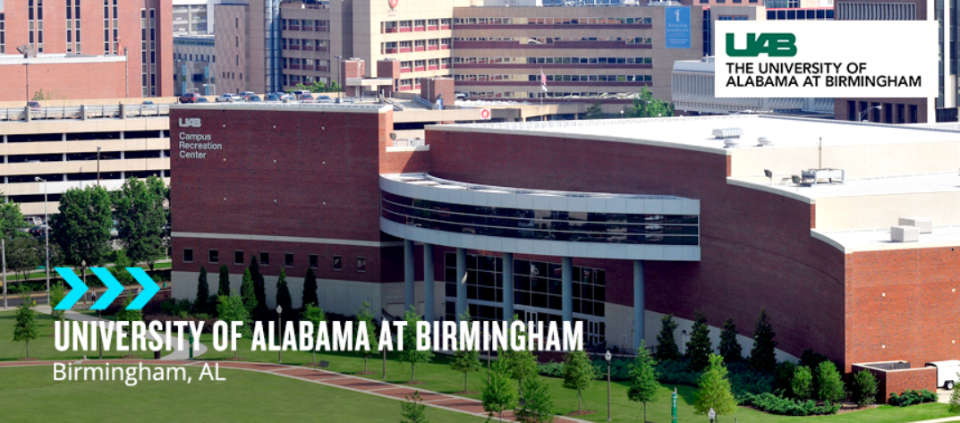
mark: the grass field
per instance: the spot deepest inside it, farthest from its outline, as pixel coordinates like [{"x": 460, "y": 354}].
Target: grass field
[
  {"x": 44, "y": 346},
  {"x": 30, "y": 395}
]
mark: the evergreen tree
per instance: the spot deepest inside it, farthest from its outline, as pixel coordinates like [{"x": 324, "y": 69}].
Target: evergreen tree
[
  {"x": 224, "y": 285},
  {"x": 413, "y": 410},
  {"x": 667, "y": 349},
  {"x": 25, "y": 329},
  {"x": 410, "y": 353},
  {"x": 247, "y": 292},
  {"x": 315, "y": 315},
  {"x": 578, "y": 374},
  {"x": 829, "y": 385},
  {"x": 283, "y": 296},
  {"x": 365, "y": 317},
  {"x": 643, "y": 379},
  {"x": 465, "y": 360},
  {"x": 730, "y": 348},
  {"x": 763, "y": 356},
  {"x": 715, "y": 390},
  {"x": 538, "y": 405},
  {"x": 230, "y": 308},
  {"x": 203, "y": 291},
  {"x": 699, "y": 347},
  {"x": 310, "y": 289},
  {"x": 864, "y": 388},
  {"x": 497, "y": 393},
  {"x": 802, "y": 383},
  {"x": 259, "y": 289},
  {"x": 955, "y": 399}
]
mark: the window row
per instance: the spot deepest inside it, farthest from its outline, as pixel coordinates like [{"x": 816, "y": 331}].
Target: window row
[
  {"x": 263, "y": 258},
  {"x": 553, "y": 40},
  {"x": 304, "y": 25},
  {"x": 415, "y": 45},
  {"x": 195, "y": 57},
  {"x": 414, "y": 25},
  {"x": 560, "y": 92},
  {"x": 556, "y": 78},
  {"x": 555, "y": 60},
  {"x": 290, "y": 80},
  {"x": 639, "y": 20},
  {"x": 305, "y": 44}
]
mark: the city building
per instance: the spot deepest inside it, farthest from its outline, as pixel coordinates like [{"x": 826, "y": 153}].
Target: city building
[
  {"x": 127, "y": 45},
  {"x": 770, "y": 11},
  {"x": 193, "y": 17},
  {"x": 195, "y": 59},
  {"x": 611, "y": 222}
]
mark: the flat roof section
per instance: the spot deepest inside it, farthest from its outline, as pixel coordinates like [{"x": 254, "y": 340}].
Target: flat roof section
[
  {"x": 879, "y": 239},
  {"x": 290, "y": 107}
]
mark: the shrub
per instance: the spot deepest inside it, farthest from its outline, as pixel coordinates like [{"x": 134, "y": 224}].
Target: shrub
[
  {"x": 787, "y": 406},
  {"x": 829, "y": 385},
  {"x": 911, "y": 397},
  {"x": 747, "y": 380},
  {"x": 864, "y": 388},
  {"x": 802, "y": 383},
  {"x": 676, "y": 373}
]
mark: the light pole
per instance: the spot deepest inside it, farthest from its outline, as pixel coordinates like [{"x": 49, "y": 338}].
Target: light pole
[
  {"x": 279, "y": 334},
  {"x": 98, "y": 165},
  {"x": 863, "y": 113},
  {"x": 99, "y": 317},
  {"x": 338, "y": 57},
  {"x": 27, "y": 66},
  {"x": 46, "y": 234},
  {"x": 608, "y": 356},
  {"x": 384, "y": 321}
]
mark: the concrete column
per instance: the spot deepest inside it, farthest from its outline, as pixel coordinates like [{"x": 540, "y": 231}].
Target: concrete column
[
  {"x": 567, "y": 289},
  {"x": 163, "y": 174},
  {"x": 429, "y": 287},
  {"x": 28, "y": 113},
  {"x": 507, "y": 286},
  {"x": 123, "y": 137},
  {"x": 64, "y": 137},
  {"x": 638, "y": 303},
  {"x": 461, "y": 282},
  {"x": 5, "y": 138},
  {"x": 409, "y": 290}
]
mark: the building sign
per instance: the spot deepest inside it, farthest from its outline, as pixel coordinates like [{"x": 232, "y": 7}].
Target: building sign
[
  {"x": 776, "y": 59},
  {"x": 485, "y": 114},
  {"x": 393, "y": 3},
  {"x": 194, "y": 146},
  {"x": 677, "y": 27}
]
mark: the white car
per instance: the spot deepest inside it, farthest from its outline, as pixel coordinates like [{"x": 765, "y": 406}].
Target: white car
[
  {"x": 288, "y": 98},
  {"x": 225, "y": 98}
]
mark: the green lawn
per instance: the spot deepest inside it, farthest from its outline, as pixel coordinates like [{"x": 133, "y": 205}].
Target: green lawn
[
  {"x": 30, "y": 394},
  {"x": 43, "y": 347}
]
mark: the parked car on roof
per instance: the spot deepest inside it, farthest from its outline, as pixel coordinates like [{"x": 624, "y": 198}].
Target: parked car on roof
[
  {"x": 202, "y": 100},
  {"x": 306, "y": 98},
  {"x": 225, "y": 98},
  {"x": 272, "y": 98},
  {"x": 254, "y": 98},
  {"x": 288, "y": 98},
  {"x": 34, "y": 106},
  {"x": 190, "y": 98},
  {"x": 324, "y": 99},
  {"x": 247, "y": 94}
]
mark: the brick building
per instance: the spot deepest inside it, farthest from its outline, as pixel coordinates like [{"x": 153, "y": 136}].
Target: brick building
[
  {"x": 610, "y": 222},
  {"x": 90, "y": 50}
]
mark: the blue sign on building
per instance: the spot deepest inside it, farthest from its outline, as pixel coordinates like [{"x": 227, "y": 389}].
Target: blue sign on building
[{"x": 677, "y": 27}]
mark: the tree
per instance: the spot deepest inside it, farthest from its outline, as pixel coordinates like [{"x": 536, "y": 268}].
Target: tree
[
  {"x": 594, "y": 111},
  {"x": 667, "y": 349},
  {"x": 141, "y": 219},
  {"x": 23, "y": 255},
  {"x": 57, "y": 294},
  {"x": 538, "y": 405},
  {"x": 11, "y": 220},
  {"x": 82, "y": 228},
  {"x": 259, "y": 287},
  {"x": 203, "y": 291},
  {"x": 247, "y": 292},
  {"x": 25, "y": 329},
  {"x": 955, "y": 399},
  {"x": 129, "y": 316},
  {"x": 520, "y": 365},
  {"x": 715, "y": 390},
  {"x": 309, "y": 289},
  {"x": 763, "y": 355},
  {"x": 644, "y": 105},
  {"x": 224, "y": 284},
  {"x": 283, "y": 295},
  {"x": 410, "y": 353},
  {"x": 465, "y": 360},
  {"x": 365, "y": 317},
  {"x": 643, "y": 379},
  {"x": 829, "y": 385},
  {"x": 314, "y": 314},
  {"x": 578, "y": 374},
  {"x": 497, "y": 393},
  {"x": 865, "y": 388},
  {"x": 730, "y": 348},
  {"x": 230, "y": 308},
  {"x": 802, "y": 383},
  {"x": 120, "y": 263},
  {"x": 413, "y": 410},
  {"x": 699, "y": 347}
]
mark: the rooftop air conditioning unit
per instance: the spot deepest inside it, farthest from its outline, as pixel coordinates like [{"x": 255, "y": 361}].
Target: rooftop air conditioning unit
[
  {"x": 764, "y": 142},
  {"x": 725, "y": 133}
]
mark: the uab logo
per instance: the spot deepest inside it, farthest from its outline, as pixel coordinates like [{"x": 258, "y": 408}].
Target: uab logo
[{"x": 774, "y": 45}]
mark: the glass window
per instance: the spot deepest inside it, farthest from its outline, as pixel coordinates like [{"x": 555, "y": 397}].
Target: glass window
[
  {"x": 361, "y": 264},
  {"x": 337, "y": 263},
  {"x": 214, "y": 256},
  {"x": 238, "y": 257},
  {"x": 314, "y": 261},
  {"x": 288, "y": 259},
  {"x": 188, "y": 255},
  {"x": 264, "y": 258}
]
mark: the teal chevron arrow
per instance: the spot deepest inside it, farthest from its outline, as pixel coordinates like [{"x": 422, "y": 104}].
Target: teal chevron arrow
[
  {"x": 113, "y": 288},
  {"x": 77, "y": 288},
  {"x": 150, "y": 288}
]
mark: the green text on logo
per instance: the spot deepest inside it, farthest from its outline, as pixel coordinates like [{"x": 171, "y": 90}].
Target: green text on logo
[{"x": 774, "y": 45}]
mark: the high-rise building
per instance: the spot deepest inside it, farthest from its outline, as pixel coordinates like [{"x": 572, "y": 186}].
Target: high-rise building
[
  {"x": 193, "y": 17},
  {"x": 93, "y": 49}
]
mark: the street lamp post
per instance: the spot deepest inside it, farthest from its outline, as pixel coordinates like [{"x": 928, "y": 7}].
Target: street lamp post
[
  {"x": 864, "y": 112},
  {"x": 98, "y": 165},
  {"x": 384, "y": 322},
  {"x": 46, "y": 234},
  {"x": 608, "y": 356},
  {"x": 99, "y": 317},
  {"x": 338, "y": 57},
  {"x": 280, "y": 334}
]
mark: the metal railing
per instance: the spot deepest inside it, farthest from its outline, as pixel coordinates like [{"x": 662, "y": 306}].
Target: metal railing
[{"x": 85, "y": 112}]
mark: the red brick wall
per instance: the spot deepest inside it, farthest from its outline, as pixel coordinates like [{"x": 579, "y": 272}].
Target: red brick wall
[
  {"x": 757, "y": 251},
  {"x": 898, "y": 303},
  {"x": 900, "y": 380},
  {"x": 65, "y": 81}
]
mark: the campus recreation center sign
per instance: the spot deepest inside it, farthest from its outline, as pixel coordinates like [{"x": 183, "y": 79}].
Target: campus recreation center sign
[
  {"x": 194, "y": 146},
  {"x": 869, "y": 59}
]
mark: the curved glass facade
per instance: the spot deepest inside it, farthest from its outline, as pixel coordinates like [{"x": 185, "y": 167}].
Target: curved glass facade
[{"x": 548, "y": 225}]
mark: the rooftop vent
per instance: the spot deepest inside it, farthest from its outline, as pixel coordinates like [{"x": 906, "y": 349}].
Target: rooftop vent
[
  {"x": 764, "y": 142},
  {"x": 923, "y": 224},
  {"x": 725, "y": 133},
  {"x": 904, "y": 233},
  {"x": 729, "y": 143}
]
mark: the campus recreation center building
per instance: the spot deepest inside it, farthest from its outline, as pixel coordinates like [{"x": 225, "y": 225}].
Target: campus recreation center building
[{"x": 611, "y": 222}]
